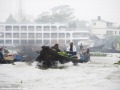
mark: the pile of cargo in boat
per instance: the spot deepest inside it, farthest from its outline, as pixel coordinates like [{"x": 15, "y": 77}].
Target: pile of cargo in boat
[{"x": 49, "y": 57}]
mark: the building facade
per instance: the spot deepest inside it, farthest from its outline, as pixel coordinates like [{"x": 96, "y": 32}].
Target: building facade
[
  {"x": 105, "y": 31},
  {"x": 40, "y": 34},
  {"x": 102, "y": 27}
]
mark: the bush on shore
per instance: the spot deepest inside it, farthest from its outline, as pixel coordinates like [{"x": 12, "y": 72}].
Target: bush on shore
[
  {"x": 118, "y": 62},
  {"x": 98, "y": 54}
]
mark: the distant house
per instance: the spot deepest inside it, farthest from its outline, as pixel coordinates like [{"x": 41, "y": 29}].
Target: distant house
[
  {"x": 102, "y": 27},
  {"x": 98, "y": 40}
]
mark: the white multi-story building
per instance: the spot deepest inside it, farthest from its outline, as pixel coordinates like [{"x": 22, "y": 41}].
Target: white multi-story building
[
  {"x": 102, "y": 30},
  {"x": 101, "y": 27},
  {"x": 40, "y": 34}
]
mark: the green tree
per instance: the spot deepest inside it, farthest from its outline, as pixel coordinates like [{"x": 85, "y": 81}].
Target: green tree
[
  {"x": 113, "y": 42},
  {"x": 78, "y": 24},
  {"x": 62, "y": 13},
  {"x": 116, "y": 42},
  {"x": 72, "y": 24},
  {"x": 44, "y": 17},
  {"x": 10, "y": 19}
]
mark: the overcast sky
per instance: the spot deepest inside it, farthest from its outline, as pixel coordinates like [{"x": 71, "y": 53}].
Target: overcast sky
[{"x": 83, "y": 9}]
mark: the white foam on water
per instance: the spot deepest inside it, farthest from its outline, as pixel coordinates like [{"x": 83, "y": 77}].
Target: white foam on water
[{"x": 99, "y": 74}]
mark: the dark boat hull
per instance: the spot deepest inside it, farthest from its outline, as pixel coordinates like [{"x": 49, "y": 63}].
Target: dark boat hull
[
  {"x": 6, "y": 62},
  {"x": 49, "y": 57},
  {"x": 84, "y": 58}
]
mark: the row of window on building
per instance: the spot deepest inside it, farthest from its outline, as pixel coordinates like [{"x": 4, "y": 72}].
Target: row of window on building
[
  {"x": 36, "y": 42},
  {"x": 42, "y": 35},
  {"x": 31, "y": 28},
  {"x": 113, "y": 32}
]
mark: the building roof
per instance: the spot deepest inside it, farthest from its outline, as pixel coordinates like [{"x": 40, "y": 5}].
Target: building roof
[{"x": 97, "y": 37}]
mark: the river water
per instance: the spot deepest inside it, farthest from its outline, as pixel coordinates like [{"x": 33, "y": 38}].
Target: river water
[{"x": 99, "y": 74}]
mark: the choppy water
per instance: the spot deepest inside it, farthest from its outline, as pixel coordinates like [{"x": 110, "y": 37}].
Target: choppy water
[{"x": 99, "y": 74}]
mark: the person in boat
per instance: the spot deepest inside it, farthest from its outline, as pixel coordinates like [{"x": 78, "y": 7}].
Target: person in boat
[
  {"x": 85, "y": 55},
  {"x": 88, "y": 53},
  {"x": 85, "y": 51},
  {"x": 71, "y": 48},
  {"x": 81, "y": 47},
  {"x": 5, "y": 50},
  {"x": 1, "y": 55},
  {"x": 56, "y": 48}
]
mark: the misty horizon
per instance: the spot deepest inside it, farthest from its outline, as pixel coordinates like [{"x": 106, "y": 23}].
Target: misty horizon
[{"x": 83, "y": 10}]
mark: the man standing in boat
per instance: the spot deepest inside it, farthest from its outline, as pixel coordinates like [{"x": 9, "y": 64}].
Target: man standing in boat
[
  {"x": 1, "y": 55},
  {"x": 81, "y": 47},
  {"x": 71, "y": 48}
]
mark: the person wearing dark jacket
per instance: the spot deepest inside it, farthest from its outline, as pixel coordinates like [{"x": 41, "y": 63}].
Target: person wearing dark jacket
[
  {"x": 1, "y": 55},
  {"x": 56, "y": 48},
  {"x": 71, "y": 48}
]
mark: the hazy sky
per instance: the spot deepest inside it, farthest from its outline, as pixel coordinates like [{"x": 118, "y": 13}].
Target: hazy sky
[{"x": 83, "y": 9}]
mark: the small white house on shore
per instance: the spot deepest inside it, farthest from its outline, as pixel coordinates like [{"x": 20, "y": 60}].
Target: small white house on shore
[{"x": 102, "y": 27}]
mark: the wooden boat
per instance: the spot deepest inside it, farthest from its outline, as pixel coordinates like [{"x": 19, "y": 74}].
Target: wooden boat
[
  {"x": 18, "y": 58},
  {"x": 84, "y": 57},
  {"x": 8, "y": 58},
  {"x": 49, "y": 58}
]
